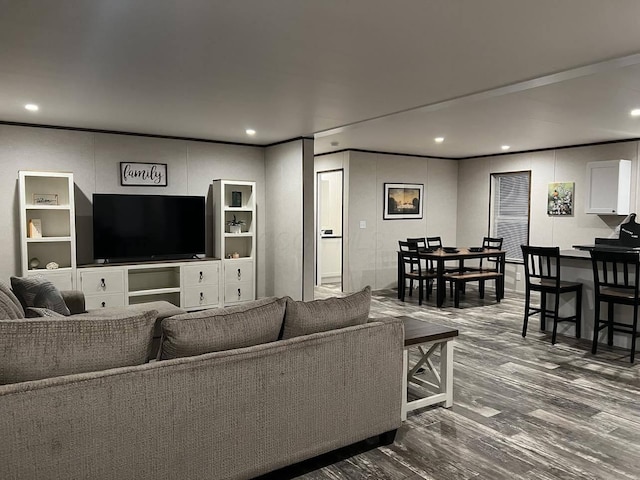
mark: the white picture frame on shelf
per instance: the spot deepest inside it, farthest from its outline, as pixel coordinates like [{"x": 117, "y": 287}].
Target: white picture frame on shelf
[{"x": 45, "y": 199}]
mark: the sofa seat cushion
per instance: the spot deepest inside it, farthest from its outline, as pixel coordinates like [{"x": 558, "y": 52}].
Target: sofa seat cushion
[
  {"x": 39, "y": 292},
  {"x": 214, "y": 330},
  {"x": 10, "y": 307},
  {"x": 304, "y": 318},
  {"x": 32, "y": 349}
]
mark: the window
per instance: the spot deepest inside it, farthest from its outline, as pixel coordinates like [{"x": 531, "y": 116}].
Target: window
[{"x": 509, "y": 211}]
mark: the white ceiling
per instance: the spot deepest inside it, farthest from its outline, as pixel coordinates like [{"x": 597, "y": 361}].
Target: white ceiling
[{"x": 368, "y": 74}]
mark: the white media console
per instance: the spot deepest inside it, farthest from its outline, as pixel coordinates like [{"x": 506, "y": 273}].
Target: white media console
[{"x": 190, "y": 284}]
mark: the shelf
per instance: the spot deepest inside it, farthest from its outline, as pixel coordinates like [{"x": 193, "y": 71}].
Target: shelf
[
  {"x": 238, "y": 235},
  {"x": 154, "y": 291},
  {"x": 48, "y": 239},
  {"x": 47, "y": 207},
  {"x": 60, "y": 269},
  {"x": 237, "y": 259},
  {"x": 238, "y": 209}
]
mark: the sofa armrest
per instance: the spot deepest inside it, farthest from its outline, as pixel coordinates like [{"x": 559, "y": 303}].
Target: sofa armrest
[{"x": 74, "y": 299}]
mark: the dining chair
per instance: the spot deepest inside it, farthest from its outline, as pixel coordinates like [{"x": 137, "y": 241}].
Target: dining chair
[
  {"x": 413, "y": 270},
  {"x": 434, "y": 242},
  {"x": 413, "y": 267},
  {"x": 542, "y": 274},
  {"x": 615, "y": 281},
  {"x": 488, "y": 264},
  {"x": 421, "y": 242}
]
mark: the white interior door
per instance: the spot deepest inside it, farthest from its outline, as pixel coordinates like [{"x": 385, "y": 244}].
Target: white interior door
[{"x": 329, "y": 228}]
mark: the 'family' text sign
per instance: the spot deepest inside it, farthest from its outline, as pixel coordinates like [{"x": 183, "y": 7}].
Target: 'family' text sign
[{"x": 143, "y": 174}]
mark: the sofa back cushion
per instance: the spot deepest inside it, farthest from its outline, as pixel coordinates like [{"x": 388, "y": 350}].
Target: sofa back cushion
[
  {"x": 220, "y": 329},
  {"x": 31, "y": 349},
  {"x": 10, "y": 306},
  {"x": 39, "y": 292},
  {"x": 303, "y": 318}
]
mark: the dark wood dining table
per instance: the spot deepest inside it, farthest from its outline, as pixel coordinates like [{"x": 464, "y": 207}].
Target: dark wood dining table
[{"x": 440, "y": 256}]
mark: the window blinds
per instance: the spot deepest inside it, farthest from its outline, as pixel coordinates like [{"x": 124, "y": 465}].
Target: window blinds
[{"x": 510, "y": 211}]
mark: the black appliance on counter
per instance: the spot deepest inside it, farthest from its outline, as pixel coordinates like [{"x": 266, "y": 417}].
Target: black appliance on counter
[{"x": 629, "y": 239}]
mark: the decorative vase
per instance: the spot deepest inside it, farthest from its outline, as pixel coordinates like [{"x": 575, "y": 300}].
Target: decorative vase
[{"x": 235, "y": 228}]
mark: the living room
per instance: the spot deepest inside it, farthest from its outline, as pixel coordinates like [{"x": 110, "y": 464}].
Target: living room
[{"x": 298, "y": 92}]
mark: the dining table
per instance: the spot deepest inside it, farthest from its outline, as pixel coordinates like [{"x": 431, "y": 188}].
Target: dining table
[{"x": 440, "y": 256}]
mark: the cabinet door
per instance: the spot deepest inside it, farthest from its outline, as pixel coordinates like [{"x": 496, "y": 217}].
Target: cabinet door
[
  {"x": 201, "y": 274},
  {"x": 104, "y": 281},
  {"x": 238, "y": 272},
  {"x": 608, "y": 187},
  {"x": 61, "y": 280},
  {"x": 201, "y": 296}
]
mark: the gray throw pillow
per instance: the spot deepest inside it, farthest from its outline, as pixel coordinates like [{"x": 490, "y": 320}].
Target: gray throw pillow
[
  {"x": 220, "y": 329},
  {"x": 304, "y": 318},
  {"x": 31, "y": 349},
  {"x": 39, "y": 292},
  {"x": 35, "y": 312}
]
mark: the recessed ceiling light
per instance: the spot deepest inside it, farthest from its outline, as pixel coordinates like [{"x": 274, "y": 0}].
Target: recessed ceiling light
[
  {"x": 250, "y": 131},
  {"x": 635, "y": 112},
  {"x": 32, "y": 107},
  {"x": 439, "y": 139},
  {"x": 505, "y": 147}
]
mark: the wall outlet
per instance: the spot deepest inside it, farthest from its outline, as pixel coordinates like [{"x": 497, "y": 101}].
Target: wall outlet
[
  {"x": 363, "y": 224},
  {"x": 518, "y": 276}
]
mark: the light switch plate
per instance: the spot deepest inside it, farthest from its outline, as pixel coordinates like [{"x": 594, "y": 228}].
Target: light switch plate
[{"x": 363, "y": 224}]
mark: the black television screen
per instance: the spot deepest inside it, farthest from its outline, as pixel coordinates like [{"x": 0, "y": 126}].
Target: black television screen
[{"x": 128, "y": 227}]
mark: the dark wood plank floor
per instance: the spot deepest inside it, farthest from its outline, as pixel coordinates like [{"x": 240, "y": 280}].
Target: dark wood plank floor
[{"x": 523, "y": 409}]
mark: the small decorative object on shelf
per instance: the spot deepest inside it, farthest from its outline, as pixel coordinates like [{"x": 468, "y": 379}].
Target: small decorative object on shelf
[
  {"x": 45, "y": 199},
  {"x": 235, "y": 225},
  {"x": 52, "y": 266},
  {"x": 235, "y": 255},
  {"x": 236, "y": 199},
  {"x": 35, "y": 228},
  {"x": 34, "y": 262}
]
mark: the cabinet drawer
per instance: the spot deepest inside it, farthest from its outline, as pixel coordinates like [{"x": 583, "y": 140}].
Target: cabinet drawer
[
  {"x": 109, "y": 281},
  {"x": 238, "y": 292},
  {"x": 203, "y": 274},
  {"x": 201, "y": 296},
  {"x": 106, "y": 300},
  {"x": 238, "y": 272}
]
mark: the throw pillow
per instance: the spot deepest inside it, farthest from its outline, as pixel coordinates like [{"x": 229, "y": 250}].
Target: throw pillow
[
  {"x": 39, "y": 292},
  {"x": 10, "y": 306},
  {"x": 31, "y": 349},
  {"x": 35, "y": 312},
  {"x": 303, "y": 318},
  {"x": 220, "y": 329}
]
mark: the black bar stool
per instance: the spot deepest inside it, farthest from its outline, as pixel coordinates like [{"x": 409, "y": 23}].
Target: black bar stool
[
  {"x": 616, "y": 280},
  {"x": 542, "y": 274}
]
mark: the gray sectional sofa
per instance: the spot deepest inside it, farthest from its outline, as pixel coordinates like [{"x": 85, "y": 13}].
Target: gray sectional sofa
[{"x": 281, "y": 382}]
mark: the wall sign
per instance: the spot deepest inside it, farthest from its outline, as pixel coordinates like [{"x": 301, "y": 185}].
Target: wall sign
[{"x": 143, "y": 174}]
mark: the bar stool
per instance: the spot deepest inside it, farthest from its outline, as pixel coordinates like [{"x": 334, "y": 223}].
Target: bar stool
[
  {"x": 542, "y": 274},
  {"x": 616, "y": 279}
]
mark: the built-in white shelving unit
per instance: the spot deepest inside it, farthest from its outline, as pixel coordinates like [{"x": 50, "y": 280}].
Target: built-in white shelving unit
[
  {"x": 47, "y": 226},
  {"x": 235, "y": 199}
]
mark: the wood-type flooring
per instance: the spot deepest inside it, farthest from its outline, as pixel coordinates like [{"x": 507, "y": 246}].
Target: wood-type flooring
[{"x": 523, "y": 408}]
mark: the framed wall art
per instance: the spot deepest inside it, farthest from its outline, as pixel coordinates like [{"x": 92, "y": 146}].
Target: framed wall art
[
  {"x": 143, "y": 174},
  {"x": 560, "y": 199},
  {"x": 403, "y": 201}
]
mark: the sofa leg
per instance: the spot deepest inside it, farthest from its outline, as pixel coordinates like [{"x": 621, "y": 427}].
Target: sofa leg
[{"x": 387, "y": 438}]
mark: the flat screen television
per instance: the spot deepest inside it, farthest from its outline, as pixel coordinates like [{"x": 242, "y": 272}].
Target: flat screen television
[{"x": 147, "y": 227}]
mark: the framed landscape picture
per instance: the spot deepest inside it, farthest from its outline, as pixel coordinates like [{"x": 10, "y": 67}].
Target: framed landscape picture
[
  {"x": 403, "y": 201},
  {"x": 560, "y": 199}
]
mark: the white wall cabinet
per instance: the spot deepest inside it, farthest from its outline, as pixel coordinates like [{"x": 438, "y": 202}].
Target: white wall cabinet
[
  {"x": 608, "y": 187},
  {"x": 235, "y": 199},
  {"x": 47, "y": 226},
  {"x": 192, "y": 284}
]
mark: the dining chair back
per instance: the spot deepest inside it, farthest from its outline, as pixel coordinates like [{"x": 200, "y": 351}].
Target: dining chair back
[
  {"x": 421, "y": 242},
  {"x": 434, "y": 242},
  {"x": 413, "y": 270},
  {"x": 542, "y": 274},
  {"x": 616, "y": 280}
]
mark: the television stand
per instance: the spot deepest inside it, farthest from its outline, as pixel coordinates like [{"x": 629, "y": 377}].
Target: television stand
[{"x": 191, "y": 284}]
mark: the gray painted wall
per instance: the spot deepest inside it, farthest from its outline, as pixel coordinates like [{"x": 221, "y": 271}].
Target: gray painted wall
[
  {"x": 287, "y": 218},
  {"x": 563, "y": 165},
  {"x": 94, "y": 157},
  {"x": 370, "y": 253}
]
